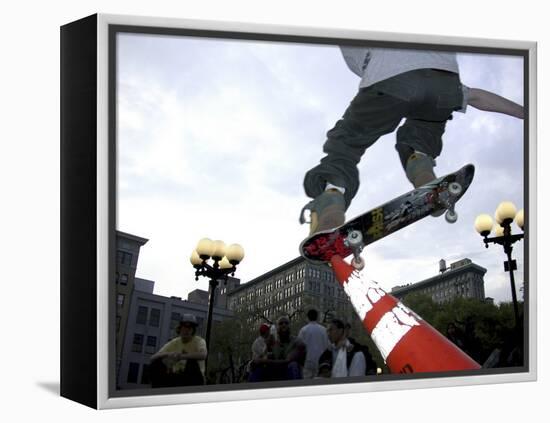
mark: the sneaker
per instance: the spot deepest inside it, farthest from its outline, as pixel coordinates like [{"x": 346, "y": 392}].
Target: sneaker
[
  {"x": 419, "y": 171},
  {"x": 327, "y": 211}
]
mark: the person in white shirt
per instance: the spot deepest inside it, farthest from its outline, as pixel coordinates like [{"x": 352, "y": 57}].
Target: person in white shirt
[
  {"x": 259, "y": 346},
  {"x": 260, "y": 350},
  {"x": 421, "y": 87},
  {"x": 341, "y": 357},
  {"x": 314, "y": 335}
]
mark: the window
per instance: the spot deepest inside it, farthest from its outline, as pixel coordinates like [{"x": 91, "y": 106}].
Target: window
[
  {"x": 141, "y": 315},
  {"x": 146, "y": 375},
  {"x": 123, "y": 279},
  {"x": 175, "y": 320},
  {"x": 133, "y": 371},
  {"x": 117, "y": 323},
  {"x": 120, "y": 300},
  {"x": 151, "y": 346},
  {"x": 124, "y": 257},
  {"x": 154, "y": 319},
  {"x": 137, "y": 343}
]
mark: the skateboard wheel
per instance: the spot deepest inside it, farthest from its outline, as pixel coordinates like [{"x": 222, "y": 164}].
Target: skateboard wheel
[
  {"x": 358, "y": 264},
  {"x": 451, "y": 216},
  {"x": 455, "y": 188},
  {"x": 354, "y": 239}
]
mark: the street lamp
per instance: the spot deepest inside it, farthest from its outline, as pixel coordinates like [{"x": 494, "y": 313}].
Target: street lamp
[
  {"x": 225, "y": 260},
  {"x": 505, "y": 214}
]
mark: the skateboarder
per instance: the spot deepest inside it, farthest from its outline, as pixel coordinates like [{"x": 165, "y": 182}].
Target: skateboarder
[{"x": 422, "y": 86}]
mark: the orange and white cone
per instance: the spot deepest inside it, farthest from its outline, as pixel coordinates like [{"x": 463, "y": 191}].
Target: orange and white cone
[{"x": 407, "y": 343}]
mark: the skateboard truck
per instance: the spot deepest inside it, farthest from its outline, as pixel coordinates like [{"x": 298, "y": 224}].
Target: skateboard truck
[
  {"x": 354, "y": 241},
  {"x": 454, "y": 190}
]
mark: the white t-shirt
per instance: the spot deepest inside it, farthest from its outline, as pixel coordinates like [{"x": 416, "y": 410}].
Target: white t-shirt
[
  {"x": 373, "y": 65},
  {"x": 340, "y": 367},
  {"x": 315, "y": 337},
  {"x": 259, "y": 348}
]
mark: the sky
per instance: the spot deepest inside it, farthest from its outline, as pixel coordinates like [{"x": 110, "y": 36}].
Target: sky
[{"x": 214, "y": 138}]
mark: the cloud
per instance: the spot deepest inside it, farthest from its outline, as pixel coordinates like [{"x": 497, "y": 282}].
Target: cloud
[
  {"x": 214, "y": 138},
  {"x": 501, "y": 74}
]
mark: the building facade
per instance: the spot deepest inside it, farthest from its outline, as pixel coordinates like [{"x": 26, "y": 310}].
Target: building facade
[
  {"x": 152, "y": 321},
  {"x": 201, "y": 296},
  {"x": 293, "y": 287},
  {"x": 461, "y": 279},
  {"x": 128, "y": 247}
]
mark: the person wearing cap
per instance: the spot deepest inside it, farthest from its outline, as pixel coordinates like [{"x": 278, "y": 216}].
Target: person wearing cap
[
  {"x": 259, "y": 351},
  {"x": 286, "y": 358},
  {"x": 315, "y": 337},
  {"x": 183, "y": 357},
  {"x": 259, "y": 346}
]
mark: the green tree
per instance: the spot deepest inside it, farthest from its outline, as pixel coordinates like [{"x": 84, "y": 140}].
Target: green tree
[
  {"x": 230, "y": 343},
  {"x": 423, "y": 305},
  {"x": 483, "y": 326}
]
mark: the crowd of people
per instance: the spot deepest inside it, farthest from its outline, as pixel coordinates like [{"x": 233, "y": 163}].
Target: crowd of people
[
  {"x": 315, "y": 352},
  {"x": 276, "y": 354}
]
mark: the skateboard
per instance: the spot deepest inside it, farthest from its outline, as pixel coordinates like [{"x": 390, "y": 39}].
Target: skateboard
[{"x": 437, "y": 196}]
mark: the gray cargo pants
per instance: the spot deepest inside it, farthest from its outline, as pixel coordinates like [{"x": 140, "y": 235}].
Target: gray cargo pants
[{"x": 425, "y": 97}]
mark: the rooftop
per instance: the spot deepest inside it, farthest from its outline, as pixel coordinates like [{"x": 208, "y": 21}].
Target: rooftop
[
  {"x": 135, "y": 238},
  {"x": 454, "y": 269},
  {"x": 298, "y": 260}
]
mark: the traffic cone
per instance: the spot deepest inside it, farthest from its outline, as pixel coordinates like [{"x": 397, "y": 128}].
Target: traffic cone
[{"x": 407, "y": 343}]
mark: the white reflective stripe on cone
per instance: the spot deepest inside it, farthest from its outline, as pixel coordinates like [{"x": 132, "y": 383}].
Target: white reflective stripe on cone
[
  {"x": 391, "y": 328},
  {"x": 362, "y": 293}
]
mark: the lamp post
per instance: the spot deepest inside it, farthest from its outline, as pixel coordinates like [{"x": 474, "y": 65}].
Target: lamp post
[
  {"x": 224, "y": 263},
  {"x": 504, "y": 216}
]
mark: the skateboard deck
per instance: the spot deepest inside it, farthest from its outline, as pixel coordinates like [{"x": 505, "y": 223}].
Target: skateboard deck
[{"x": 438, "y": 195}]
